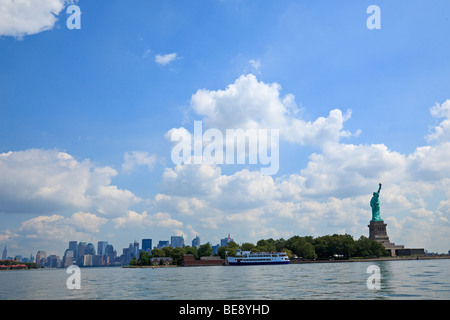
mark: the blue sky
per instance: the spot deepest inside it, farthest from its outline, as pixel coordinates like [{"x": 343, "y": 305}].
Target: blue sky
[{"x": 84, "y": 118}]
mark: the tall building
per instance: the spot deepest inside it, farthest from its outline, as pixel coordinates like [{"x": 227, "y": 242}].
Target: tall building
[
  {"x": 90, "y": 249},
  {"x": 224, "y": 242},
  {"x": 81, "y": 249},
  {"x": 41, "y": 257},
  {"x": 73, "y": 246},
  {"x": 177, "y": 242},
  {"x": 110, "y": 253},
  {"x": 5, "y": 253},
  {"x": 147, "y": 245},
  {"x": 163, "y": 243},
  {"x": 68, "y": 258},
  {"x": 136, "y": 249},
  {"x": 196, "y": 242},
  {"x": 101, "y": 247}
]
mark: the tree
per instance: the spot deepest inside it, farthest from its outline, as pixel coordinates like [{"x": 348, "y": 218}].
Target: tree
[
  {"x": 366, "y": 247},
  {"x": 133, "y": 262},
  {"x": 265, "y": 245},
  {"x": 205, "y": 250},
  {"x": 158, "y": 253},
  {"x": 247, "y": 246},
  {"x": 144, "y": 258},
  {"x": 192, "y": 250},
  {"x": 177, "y": 255},
  {"x": 303, "y": 248}
]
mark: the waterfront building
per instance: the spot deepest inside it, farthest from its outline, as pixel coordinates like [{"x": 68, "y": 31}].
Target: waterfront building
[
  {"x": 177, "y": 241},
  {"x": 53, "y": 261},
  {"x": 215, "y": 248},
  {"x": 68, "y": 258},
  {"x": 162, "y": 244},
  {"x": 97, "y": 260},
  {"x": 81, "y": 249},
  {"x": 87, "y": 260},
  {"x": 196, "y": 242},
  {"x": 136, "y": 249},
  {"x": 73, "y": 246},
  {"x": 41, "y": 257},
  {"x": 5, "y": 253},
  {"x": 110, "y": 253},
  {"x": 224, "y": 242},
  {"x": 101, "y": 247},
  {"x": 147, "y": 245},
  {"x": 90, "y": 249}
]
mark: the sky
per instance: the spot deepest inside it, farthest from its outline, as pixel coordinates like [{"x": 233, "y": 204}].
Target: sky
[{"x": 87, "y": 117}]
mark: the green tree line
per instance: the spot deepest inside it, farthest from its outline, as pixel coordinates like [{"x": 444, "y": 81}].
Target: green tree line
[{"x": 307, "y": 247}]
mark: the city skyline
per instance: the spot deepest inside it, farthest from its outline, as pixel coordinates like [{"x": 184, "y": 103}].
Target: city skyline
[{"x": 92, "y": 104}]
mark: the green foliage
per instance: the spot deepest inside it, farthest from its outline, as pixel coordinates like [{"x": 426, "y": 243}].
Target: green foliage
[
  {"x": 133, "y": 262},
  {"x": 308, "y": 247},
  {"x": 205, "y": 250}
]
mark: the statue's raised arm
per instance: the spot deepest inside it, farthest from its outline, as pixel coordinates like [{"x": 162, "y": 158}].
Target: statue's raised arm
[{"x": 379, "y": 188}]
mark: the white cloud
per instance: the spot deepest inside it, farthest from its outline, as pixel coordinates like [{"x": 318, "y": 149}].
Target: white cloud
[
  {"x": 249, "y": 103},
  {"x": 144, "y": 220},
  {"x": 164, "y": 59},
  {"x": 331, "y": 194},
  {"x": 255, "y": 64},
  {"x": 52, "y": 232},
  {"x": 25, "y": 17},
  {"x": 138, "y": 158},
  {"x": 442, "y": 131},
  {"x": 45, "y": 181},
  {"x": 87, "y": 221}
]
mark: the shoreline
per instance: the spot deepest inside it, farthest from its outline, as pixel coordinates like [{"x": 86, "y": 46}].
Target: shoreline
[{"x": 403, "y": 258}]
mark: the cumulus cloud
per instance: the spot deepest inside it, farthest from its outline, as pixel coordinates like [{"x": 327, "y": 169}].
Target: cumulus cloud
[
  {"x": 330, "y": 194},
  {"x": 249, "y": 103},
  {"x": 26, "y": 17},
  {"x": 51, "y": 232},
  {"x": 441, "y": 132},
  {"x": 134, "y": 219},
  {"x": 138, "y": 158},
  {"x": 164, "y": 59},
  {"x": 44, "y": 181}
]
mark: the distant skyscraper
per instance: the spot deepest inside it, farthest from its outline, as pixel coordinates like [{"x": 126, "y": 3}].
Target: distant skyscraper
[
  {"x": 136, "y": 249},
  {"x": 163, "y": 243},
  {"x": 147, "y": 245},
  {"x": 196, "y": 242},
  {"x": 101, "y": 247},
  {"x": 41, "y": 256},
  {"x": 225, "y": 241},
  {"x": 177, "y": 241},
  {"x": 5, "y": 253},
  {"x": 81, "y": 249},
  {"x": 90, "y": 249},
  {"x": 73, "y": 246}
]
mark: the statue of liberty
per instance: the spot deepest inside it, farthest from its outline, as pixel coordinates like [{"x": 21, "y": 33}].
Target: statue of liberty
[{"x": 375, "y": 204}]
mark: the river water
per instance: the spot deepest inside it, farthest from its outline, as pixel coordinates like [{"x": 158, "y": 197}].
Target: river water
[{"x": 412, "y": 279}]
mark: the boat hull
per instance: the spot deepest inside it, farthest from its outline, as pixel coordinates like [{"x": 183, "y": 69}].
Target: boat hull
[{"x": 259, "y": 263}]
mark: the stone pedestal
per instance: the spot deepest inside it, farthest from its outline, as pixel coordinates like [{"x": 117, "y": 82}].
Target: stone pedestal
[{"x": 377, "y": 232}]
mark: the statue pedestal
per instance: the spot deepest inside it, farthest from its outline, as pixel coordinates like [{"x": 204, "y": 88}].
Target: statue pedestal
[{"x": 377, "y": 232}]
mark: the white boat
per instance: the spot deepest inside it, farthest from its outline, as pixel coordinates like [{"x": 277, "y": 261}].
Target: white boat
[{"x": 247, "y": 258}]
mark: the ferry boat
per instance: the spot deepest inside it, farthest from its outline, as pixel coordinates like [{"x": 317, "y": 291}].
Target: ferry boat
[{"x": 247, "y": 258}]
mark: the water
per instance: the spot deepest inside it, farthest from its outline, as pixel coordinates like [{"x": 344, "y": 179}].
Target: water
[{"x": 413, "y": 279}]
